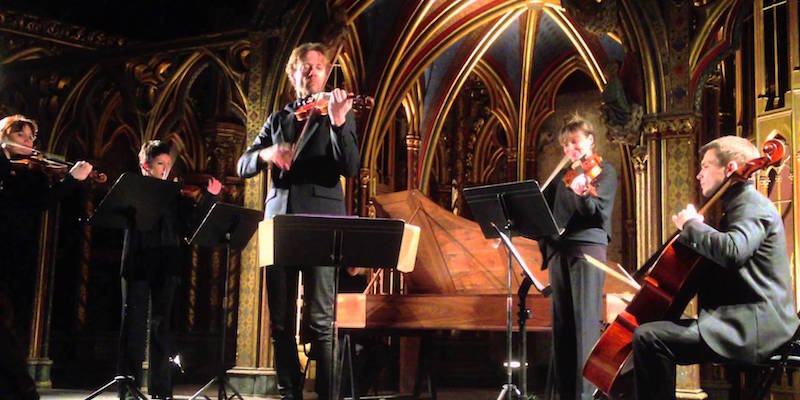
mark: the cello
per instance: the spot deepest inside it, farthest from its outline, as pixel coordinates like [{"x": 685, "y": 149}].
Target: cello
[{"x": 669, "y": 280}]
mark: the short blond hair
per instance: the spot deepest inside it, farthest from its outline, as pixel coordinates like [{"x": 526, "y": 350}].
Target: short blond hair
[
  {"x": 731, "y": 148},
  {"x": 576, "y": 123},
  {"x": 16, "y": 122},
  {"x": 300, "y": 51}
]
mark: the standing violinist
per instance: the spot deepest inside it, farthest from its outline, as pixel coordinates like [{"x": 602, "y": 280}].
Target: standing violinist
[
  {"x": 582, "y": 205},
  {"x": 305, "y": 180},
  {"x": 151, "y": 269},
  {"x": 24, "y": 193},
  {"x": 746, "y": 306}
]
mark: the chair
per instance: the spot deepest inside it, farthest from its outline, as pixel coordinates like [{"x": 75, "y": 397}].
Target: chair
[{"x": 786, "y": 357}]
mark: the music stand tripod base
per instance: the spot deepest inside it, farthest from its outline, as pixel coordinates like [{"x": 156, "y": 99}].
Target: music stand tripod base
[
  {"x": 230, "y": 226},
  {"x": 517, "y": 207},
  {"x": 135, "y": 202},
  {"x": 125, "y": 385}
]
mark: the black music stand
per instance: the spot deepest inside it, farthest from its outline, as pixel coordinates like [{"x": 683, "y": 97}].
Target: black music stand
[
  {"x": 134, "y": 202},
  {"x": 338, "y": 241},
  {"x": 230, "y": 226},
  {"x": 524, "y": 313},
  {"x": 519, "y": 207}
]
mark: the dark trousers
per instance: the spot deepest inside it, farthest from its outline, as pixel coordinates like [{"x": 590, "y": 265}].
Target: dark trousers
[
  {"x": 15, "y": 382},
  {"x": 135, "y": 295},
  {"x": 577, "y": 312},
  {"x": 318, "y": 288},
  {"x": 657, "y": 348}
]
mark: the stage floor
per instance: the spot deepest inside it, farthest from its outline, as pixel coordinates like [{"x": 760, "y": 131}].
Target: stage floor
[{"x": 184, "y": 392}]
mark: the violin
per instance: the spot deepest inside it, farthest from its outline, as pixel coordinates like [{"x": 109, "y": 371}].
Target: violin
[
  {"x": 319, "y": 102},
  {"x": 669, "y": 280},
  {"x": 52, "y": 167},
  {"x": 194, "y": 187},
  {"x": 589, "y": 167}
]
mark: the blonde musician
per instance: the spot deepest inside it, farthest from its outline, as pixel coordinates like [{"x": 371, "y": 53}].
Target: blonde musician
[
  {"x": 746, "y": 304},
  {"x": 305, "y": 179},
  {"x": 581, "y": 198}
]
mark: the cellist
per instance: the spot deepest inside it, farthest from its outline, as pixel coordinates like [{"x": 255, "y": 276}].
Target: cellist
[
  {"x": 746, "y": 306},
  {"x": 582, "y": 203}
]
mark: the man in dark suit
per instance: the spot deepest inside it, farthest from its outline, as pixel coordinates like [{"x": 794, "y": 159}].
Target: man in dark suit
[
  {"x": 746, "y": 306},
  {"x": 305, "y": 179}
]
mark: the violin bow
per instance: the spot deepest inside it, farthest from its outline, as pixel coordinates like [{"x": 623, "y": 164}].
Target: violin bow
[{"x": 555, "y": 172}]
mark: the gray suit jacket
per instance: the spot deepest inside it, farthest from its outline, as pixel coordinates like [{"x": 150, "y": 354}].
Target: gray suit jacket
[
  {"x": 746, "y": 305},
  {"x": 312, "y": 184}
]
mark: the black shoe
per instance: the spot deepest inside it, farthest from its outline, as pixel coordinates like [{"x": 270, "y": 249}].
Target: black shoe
[{"x": 161, "y": 396}]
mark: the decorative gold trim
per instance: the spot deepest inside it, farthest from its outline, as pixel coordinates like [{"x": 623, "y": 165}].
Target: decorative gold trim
[
  {"x": 580, "y": 44},
  {"x": 665, "y": 125},
  {"x": 652, "y": 64},
  {"x": 529, "y": 41},
  {"x": 718, "y": 10},
  {"x": 57, "y": 32},
  {"x": 452, "y": 92}
]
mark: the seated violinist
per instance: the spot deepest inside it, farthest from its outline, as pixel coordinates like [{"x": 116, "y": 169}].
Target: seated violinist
[
  {"x": 746, "y": 305},
  {"x": 24, "y": 193},
  {"x": 151, "y": 270}
]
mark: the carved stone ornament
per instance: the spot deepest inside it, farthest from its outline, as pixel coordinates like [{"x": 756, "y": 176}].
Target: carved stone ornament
[
  {"x": 598, "y": 17},
  {"x": 670, "y": 125},
  {"x": 50, "y": 29}
]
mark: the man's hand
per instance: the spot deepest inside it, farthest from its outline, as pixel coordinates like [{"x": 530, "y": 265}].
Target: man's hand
[
  {"x": 81, "y": 170},
  {"x": 687, "y": 214},
  {"x": 578, "y": 185},
  {"x": 214, "y": 186},
  {"x": 280, "y": 154},
  {"x": 338, "y": 106}
]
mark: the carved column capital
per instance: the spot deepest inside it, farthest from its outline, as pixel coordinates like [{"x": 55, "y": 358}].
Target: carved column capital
[{"x": 664, "y": 125}]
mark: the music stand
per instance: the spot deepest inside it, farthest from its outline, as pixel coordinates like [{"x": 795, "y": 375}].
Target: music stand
[
  {"x": 135, "y": 202},
  {"x": 524, "y": 312},
  {"x": 323, "y": 241},
  {"x": 519, "y": 207},
  {"x": 231, "y": 226}
]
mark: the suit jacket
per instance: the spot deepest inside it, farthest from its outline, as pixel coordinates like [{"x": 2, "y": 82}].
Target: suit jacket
[
  {"x": 311, "y": 185},
  {"x": 746, "y": 305}
]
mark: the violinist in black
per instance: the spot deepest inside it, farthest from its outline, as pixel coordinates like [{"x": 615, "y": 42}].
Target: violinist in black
[
  {"x": 747, "y": 308},
  {"x": 151, "y": 262},
  {"x": 24, "y": 194},
  {"x": 582, "y": 205},
  {"x": 308, "y": 182}
]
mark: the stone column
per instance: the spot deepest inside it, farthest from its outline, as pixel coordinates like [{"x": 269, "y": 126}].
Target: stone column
[
  {"x": 412, "y": 159},
  {"x": 254, "y": 372},
  {"x": 511, "y": 163},
  {"x": 671, "y": 165}
]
